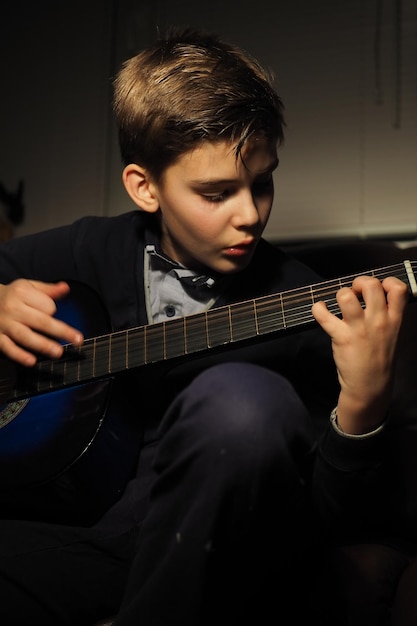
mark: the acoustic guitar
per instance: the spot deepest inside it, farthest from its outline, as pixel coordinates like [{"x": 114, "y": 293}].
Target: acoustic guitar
[{"x": 54, "y": 413}]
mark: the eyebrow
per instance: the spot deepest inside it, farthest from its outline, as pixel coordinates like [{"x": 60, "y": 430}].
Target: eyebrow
[{"x": 227, "y": 181}]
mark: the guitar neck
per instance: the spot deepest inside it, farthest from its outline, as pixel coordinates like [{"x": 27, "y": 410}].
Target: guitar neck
[{"x": 109, "y": 354}]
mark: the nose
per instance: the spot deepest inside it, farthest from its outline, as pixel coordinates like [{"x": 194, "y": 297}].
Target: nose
[{"x": 246, "y": 213}]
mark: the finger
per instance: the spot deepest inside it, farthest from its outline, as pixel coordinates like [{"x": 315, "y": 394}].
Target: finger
[
  {"x": 350, "y": 304},
  {"x": 370, "y": 290},
  {"x": 15, "y": 352},
  {"x": 27, "y": 320},
  {"x": 387, "y": 298},
  {"x": 54, "y": 290},
  {"x": 33, "y": 310},
  {"x": 45, "y": 335},
  {"x": 325, "y": 318},
  {"x": 40, "y": 295},
  {"x": 397, "y": 295}
]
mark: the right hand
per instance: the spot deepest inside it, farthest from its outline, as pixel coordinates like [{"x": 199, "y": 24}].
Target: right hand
[{"x": 27, "y": 323}]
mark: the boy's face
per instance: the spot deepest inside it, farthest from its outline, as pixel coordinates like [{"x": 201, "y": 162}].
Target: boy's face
[{"x": 213, "y": 207}]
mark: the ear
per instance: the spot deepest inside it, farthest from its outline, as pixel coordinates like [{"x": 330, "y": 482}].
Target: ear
[{"x": 140, "y": 187}]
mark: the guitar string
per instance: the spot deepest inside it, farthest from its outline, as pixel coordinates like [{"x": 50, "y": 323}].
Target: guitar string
[
  {"x": 266, "y": 308},
  {"x": 248, "y": 319},
  {"x": 267, "y": 312}
]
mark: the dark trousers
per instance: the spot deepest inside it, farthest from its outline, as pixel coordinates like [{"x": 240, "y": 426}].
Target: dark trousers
[{"x": 221, "y": 519}]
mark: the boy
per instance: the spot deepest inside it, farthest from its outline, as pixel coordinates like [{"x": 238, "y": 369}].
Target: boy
[{"x": 226, "y": 446}]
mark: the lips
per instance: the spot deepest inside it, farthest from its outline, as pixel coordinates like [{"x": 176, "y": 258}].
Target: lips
[{"x": 240, "y": 249}]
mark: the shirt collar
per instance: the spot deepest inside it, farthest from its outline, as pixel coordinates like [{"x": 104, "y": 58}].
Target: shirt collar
[{"x": 189, "y": 278}]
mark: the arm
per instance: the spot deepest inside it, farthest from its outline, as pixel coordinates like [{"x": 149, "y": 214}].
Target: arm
[
  {"x": 351, "y": 481},
  {"x": 32, "y": 269}
]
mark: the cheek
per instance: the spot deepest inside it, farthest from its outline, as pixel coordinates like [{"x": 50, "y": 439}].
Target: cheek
[
  {"x": 201, "y": 224},
  {"x": 201, "y": 233},
  {"x": 209, "y": 227}
]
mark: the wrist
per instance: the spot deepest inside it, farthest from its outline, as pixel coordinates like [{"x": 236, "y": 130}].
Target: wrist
[
  {"x": 354, "y": 435},
  {"x": 354, "y": 417}
]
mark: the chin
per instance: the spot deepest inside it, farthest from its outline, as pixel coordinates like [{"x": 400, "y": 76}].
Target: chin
[{"x": 234, "y": 267}]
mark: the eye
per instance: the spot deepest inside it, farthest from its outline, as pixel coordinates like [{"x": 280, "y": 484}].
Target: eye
[{"x": 216, "y": 197}]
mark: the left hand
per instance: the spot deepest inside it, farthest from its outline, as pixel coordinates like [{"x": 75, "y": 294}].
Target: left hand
[{"x": 364, "y": 344}]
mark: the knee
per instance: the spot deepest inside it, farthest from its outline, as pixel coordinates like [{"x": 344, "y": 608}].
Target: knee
[
  {"x": 242, "y": 424},
  {"x": 245, "y": 404}
]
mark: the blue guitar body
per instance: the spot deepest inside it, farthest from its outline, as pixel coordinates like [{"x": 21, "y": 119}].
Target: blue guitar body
[
  {"x": 69, "y": 453},
  {"x": 70, "y": 431}
]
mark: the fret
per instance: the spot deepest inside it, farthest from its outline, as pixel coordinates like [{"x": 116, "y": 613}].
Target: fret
[
  {"x": 164, "y": 341},
  {"x": 56, "y": 370},
  {"x": 196, "y": 337},
  {"x": 218, "y": 327},
  {"x": 155, "y": 343},
  {"x": 244, "y": 321},
  {"x": 284, "y": 321},
  {"x": 100, "y": 356},
  {"x": 330, "y": 298},
  {"x": 137, "y": 347},
  {"x": 174, "y": 338},
  {"x": 269, "y": 316},
  {"x": 313, "y": 299},
  {"x": 44, "y": 376},
  {"x": 118, "y": 352},
  {"x": 255, "y": 311},
  {"x": 297, "y": 308},
  {"x": 82, "y": 362}
]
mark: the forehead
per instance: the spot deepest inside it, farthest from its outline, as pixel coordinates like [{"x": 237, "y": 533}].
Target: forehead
[{"x": 218, "y": 159}]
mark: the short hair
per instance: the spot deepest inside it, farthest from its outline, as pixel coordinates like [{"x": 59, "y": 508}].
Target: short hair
[{"x": 188, "y": 88}]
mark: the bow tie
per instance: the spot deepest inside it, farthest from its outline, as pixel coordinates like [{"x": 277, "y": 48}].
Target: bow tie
[
  {"x": 191, "y": 281},
  {"x": 188, "y": 278}
]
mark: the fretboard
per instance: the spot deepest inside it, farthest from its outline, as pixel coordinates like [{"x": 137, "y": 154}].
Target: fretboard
[{"x": 225, "y": 326}]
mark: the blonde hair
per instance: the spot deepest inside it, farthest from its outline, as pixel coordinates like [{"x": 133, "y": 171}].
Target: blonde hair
[{"x": 188, "y": 88}]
